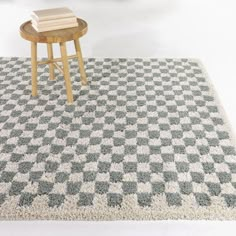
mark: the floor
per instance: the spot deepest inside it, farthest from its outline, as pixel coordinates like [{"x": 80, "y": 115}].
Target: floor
[
  {"x": 138, "y": 28},
  {"x": 150, "y": 228}
]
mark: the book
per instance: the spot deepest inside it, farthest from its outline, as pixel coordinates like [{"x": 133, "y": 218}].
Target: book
[
  {"x": 50, "y": 14},
  {"x": 55, "y": 27},
  {"x": 48, "y": 23}
]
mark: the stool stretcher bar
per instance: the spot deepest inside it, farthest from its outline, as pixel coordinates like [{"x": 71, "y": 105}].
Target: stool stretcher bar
[
  {"x": 58, "y": 67},
  {"x": 54, "y": 60}
]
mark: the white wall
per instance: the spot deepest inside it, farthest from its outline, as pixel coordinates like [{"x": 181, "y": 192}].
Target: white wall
[{"x": 129, "y": 28}]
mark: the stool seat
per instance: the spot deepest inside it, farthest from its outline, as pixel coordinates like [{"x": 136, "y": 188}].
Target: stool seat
[
  {"x": 56, "y": 36},
  {"x": 60, "y": 36}
]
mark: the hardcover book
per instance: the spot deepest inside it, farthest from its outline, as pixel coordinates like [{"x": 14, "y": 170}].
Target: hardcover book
[{"x": 50, "y": 14}]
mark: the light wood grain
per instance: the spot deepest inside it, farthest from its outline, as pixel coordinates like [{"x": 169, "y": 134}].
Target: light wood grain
[
  {"x": 58, "y": 67},
  {"x": 50, "y": 57},
  {"x": 55, "y": 36},
  {"x": 81, "y": 62},
  {"x": 55, "y": 60},
  {"x": 66, "y": 73},
  {"x": 34, "y": 68}
]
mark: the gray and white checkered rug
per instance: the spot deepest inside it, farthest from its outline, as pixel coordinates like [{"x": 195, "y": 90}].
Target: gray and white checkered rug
[{"x": 146, "y": 139}]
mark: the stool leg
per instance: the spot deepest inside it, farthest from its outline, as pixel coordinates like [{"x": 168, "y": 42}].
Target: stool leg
[
  {"x": 66, "y": 72},
  {"x": 81, "y": 62},
  {"x": 50, "y": 57},
  {"x": 34, "y": 68}
]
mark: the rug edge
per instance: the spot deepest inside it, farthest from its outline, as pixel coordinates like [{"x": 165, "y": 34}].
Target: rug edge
[
  {"x": 217, "y": 99},
  {"x": 115, "y": 214}
]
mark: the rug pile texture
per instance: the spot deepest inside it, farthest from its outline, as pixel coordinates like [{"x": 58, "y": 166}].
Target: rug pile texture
[{"x": 145, "y": 140}]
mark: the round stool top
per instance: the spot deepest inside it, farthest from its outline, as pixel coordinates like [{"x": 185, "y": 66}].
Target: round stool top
[{"x": 56, "y": 36}]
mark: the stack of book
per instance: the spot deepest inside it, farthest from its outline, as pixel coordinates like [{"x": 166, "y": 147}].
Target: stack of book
[{"x": 53, "y": 19}]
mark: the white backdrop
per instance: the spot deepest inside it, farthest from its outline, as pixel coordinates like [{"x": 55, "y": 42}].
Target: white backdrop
[{"x": 203, "y": 29}]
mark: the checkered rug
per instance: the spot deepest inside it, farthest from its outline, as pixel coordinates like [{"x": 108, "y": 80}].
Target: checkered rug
[{"x": 146, "y": 139}]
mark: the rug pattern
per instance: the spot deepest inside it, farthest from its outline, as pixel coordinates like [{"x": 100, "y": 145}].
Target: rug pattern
[{"x": 141, "y": 128}]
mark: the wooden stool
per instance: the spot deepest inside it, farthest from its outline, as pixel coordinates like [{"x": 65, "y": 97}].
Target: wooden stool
[{"x": 56, "y": 36}]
